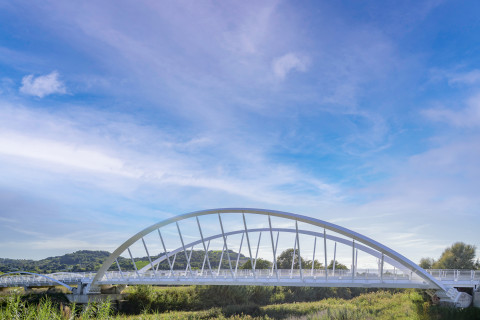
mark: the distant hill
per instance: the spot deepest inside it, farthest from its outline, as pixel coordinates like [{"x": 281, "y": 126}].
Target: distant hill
[
  {"x": 84, "y": 260},
  {"x": 87, "y": 260}
]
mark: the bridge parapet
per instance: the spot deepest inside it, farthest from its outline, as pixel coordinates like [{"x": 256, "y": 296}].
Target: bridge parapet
[
  {"x": 455, "y": 275},
  {"x": 391, "y": 278}
]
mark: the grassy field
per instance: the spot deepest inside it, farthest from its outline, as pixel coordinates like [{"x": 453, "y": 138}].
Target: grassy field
[
  {"x": 378, "y": 305},
  {"x": 408, "y": 304}
]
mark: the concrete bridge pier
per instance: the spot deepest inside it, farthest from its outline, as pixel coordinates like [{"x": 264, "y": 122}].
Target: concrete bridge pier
[
  {"x": 28, "y": 289},
  {"x": 476, "y": 296},
  {"x": 112, "y": 293},
  {"x": 80, "y": 289}
]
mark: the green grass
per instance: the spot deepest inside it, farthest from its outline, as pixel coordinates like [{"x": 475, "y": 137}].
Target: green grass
[{"x": 379, "y": 305}]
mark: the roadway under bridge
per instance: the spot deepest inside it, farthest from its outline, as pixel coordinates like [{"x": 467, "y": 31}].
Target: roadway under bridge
[{"x": 243, "y": 234}]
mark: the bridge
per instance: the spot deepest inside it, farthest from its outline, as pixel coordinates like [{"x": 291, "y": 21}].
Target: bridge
[{"x": 258, "y": 235}]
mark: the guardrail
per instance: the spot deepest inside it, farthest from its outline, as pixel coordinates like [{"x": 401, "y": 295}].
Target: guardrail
[
  {"x": 368, "y": 275},
  {"x": 455, "y": 275}
]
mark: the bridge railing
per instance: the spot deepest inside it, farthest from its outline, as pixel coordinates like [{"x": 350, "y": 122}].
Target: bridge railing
[
  {"x": 19, "y": 281},
  {"x": 38, "y": 280},
  {"x": 455, "y": 275},
  {"x": 281, "y": 274}
]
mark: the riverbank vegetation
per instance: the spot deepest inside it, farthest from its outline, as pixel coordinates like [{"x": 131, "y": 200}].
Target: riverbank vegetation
[{"x": 246, "y": 302}]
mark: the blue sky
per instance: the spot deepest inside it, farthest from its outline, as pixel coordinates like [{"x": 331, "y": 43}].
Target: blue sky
[{"x": 115, "y": 115}]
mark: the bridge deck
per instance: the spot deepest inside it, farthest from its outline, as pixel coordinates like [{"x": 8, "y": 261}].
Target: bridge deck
[{"x": 341, "y": 278}]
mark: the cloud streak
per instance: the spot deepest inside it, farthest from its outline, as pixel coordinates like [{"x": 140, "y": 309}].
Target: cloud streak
[
  {"x": 170, "y": 163},
  {"x": 42, "y": 86},
  {"x": 466, "y": 117},
  {"x": 287, "y": 63}
]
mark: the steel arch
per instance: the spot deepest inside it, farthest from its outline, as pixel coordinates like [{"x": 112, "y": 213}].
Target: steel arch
[
  {"x": 395, "y": 256},
  {"x": 300, "y": 231}
]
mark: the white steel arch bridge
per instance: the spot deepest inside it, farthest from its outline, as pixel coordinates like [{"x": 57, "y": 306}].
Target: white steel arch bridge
[{"x": 242, "y": 235}]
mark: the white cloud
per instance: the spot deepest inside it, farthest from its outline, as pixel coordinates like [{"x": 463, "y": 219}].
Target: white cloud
[
  {"x": 454, "y": 77},
  {"x": 72, "y": 145},
  {"x": 283, "y": 65},
  {"x": 59, "y": 153},
  {"x": 470, "y": 77},
  {"x": 467, "y": 117},
  {"x": 42, "y": 86}
]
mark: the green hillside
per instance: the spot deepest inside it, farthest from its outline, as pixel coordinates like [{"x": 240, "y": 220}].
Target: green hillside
[{"x": 87, "y": 260}]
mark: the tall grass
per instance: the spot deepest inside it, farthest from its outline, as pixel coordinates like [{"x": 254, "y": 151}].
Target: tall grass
[
  {"x": 162, "y": 299},
  {"x": 15, "y": 308},
  {"x": 183, "y": 303}
]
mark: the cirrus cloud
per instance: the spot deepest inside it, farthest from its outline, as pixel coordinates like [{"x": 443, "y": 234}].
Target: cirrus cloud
[{"x": 468, "y": 117}]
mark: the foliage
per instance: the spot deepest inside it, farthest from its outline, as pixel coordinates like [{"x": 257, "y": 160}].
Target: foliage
[
  {"x": 140, "y": 264},
  {"x": 162, "y": 299},
  {"x": 404, "y": 304},
  {"x": 87, "y": 260},
  {"x": 426, "y": 263},
  {"x": 458, "y": 256},
  {"x": 308, "y": 264},
  {"x": 391, "y": 304},
  {"x": 197, "y": 258},
  {"x": 159, "y": 299},
  {"x": 260, "y": 264},
  {"x": 284, "y": 260},
  {"x": 16, "y": 307},
  {"x": 338, "y": 266},
  {"x": 408, "y": 304},
  {"x": 438, "y": 312},
  {"x": 84, "y": 260}
]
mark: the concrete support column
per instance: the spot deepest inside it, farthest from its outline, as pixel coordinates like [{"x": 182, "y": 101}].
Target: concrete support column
[
  {"x": 27, "y": 289},
  {"x": 476, "y": 297}
]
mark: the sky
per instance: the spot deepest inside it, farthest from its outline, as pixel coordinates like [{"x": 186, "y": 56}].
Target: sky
[{"x": 115, "y": 115}]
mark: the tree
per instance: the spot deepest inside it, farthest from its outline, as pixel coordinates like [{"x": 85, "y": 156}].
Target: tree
[
  {"x": 308, "y": 265},
  {"x": 427, "y": 263},
  {"x": 338, "y": 266},
  {"x": 260, "y": 264},
  {"x": 458, "y": 256},
  {"x": 284, "y": 260}
]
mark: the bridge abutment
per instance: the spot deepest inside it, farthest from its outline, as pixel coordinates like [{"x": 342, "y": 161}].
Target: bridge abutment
[
  {"x": 28, "y": 290},
  {"x": 476, "y": 297},
  {"x": 112, "y": 289}
]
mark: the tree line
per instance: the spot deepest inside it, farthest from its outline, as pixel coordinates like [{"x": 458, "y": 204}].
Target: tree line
[
  {"x": 86, "y": 260},
  {"x": 457, "y": 256}
]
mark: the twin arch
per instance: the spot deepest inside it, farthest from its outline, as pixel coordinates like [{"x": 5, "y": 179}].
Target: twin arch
[{"x": 362, "y": 242}]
